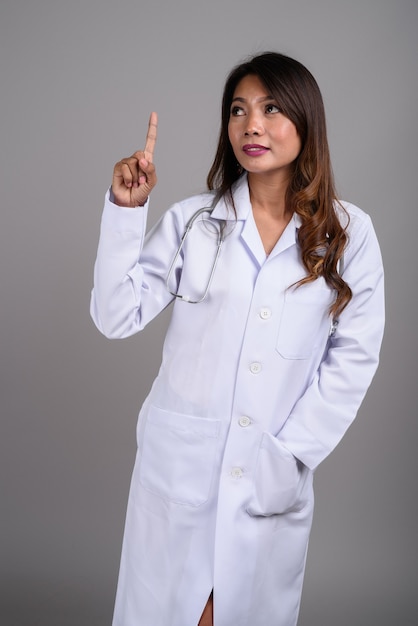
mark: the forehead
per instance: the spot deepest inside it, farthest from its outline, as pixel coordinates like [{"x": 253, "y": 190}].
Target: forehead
[{"x": 250, "y": 86}]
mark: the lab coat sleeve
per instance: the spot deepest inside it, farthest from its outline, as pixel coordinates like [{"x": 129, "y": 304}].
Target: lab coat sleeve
[
  {"x": 131, "y": 268},
  {"x": 322, "y": 415}
]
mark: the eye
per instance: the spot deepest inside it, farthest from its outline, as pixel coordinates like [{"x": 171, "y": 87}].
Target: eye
[
  {"x": 273, "y": 108},
  {"x": 236, "y": 111}
]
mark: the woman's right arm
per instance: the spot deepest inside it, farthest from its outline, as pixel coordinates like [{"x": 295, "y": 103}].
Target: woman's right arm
[{"x": 128, "y": 290}]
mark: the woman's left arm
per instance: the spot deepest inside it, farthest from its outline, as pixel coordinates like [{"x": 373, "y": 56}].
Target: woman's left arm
[{"x": 325, "y": 411}]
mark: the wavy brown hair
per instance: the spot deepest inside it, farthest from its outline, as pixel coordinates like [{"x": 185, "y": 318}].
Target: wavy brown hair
[{"x": 311, "y": 192}]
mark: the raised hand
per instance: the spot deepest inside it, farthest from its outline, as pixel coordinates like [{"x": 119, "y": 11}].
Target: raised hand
[{"x": 134, "y": 177}]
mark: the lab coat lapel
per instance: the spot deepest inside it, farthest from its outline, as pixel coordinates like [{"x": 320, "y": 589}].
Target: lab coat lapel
[
  {"x": 289, "y": 236},
  {"x": 252, "y": 239},
  {"x": 249, "y": 233}
]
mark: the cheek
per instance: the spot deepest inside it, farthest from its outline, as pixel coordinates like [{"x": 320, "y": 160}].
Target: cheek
[
  {"x": 297, "y": 145},
  {"x": 286, "y": 131},
  {"x": 289, "y": 137},
  {"x": 232, "y": 137},
  {"x": 295, "y": 139}
]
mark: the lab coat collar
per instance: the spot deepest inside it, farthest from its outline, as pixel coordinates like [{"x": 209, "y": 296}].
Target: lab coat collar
[{"x": 241, "y": 194}]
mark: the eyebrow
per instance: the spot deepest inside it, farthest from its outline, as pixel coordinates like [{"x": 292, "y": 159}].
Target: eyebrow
[{"x": 263, "y": 99}]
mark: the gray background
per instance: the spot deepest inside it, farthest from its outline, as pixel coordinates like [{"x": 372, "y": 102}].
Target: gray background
[{"x": 78, "y": 80}]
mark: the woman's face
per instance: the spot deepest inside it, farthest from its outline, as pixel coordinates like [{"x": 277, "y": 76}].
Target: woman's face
[{"x": 264, "y": 140}]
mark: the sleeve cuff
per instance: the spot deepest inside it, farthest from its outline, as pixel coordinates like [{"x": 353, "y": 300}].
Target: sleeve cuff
[{"x": 124, "y": 219}]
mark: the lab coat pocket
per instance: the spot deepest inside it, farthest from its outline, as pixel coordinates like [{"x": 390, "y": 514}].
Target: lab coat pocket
[
  {"x": 305, "y": 312},
  {"x": 178, "y": 455},
  {"x": 278, "y": 480}
]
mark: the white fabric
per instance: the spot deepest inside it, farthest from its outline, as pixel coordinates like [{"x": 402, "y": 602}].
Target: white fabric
[{"x": 251, "y": 396}]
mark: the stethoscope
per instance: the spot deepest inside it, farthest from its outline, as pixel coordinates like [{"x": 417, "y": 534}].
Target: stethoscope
[{"x": 220, "y": 238}]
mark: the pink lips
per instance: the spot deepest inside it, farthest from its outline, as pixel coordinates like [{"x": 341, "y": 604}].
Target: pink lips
[{"x": 254, "y": 149}]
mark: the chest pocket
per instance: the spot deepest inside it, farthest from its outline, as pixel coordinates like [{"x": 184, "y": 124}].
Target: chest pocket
[{"x": 305, "y": 319}]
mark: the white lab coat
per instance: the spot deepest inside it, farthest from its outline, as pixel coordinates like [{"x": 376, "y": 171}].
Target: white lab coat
[{"x": 251, "y": 396}]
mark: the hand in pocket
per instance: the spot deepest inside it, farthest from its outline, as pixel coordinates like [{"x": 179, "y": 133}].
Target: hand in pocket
[{"x": 278, "y": 479}]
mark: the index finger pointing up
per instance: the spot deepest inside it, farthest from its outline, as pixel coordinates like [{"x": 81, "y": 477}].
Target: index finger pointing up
[{"x": 151, "y": 137}]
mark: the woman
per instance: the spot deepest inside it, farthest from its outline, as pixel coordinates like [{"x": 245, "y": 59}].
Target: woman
[{"x": 274, "y": 339}]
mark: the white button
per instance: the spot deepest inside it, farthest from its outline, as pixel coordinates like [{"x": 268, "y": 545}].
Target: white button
[
  {"x": 236, "y": 472},
  {"x": 244, "y": 421},
  {"x": 265, "y": 313},
  {"x": 255, "y": 368}
]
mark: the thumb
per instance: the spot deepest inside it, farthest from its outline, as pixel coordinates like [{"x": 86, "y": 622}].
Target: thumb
[{"x": 148, "y": 169}]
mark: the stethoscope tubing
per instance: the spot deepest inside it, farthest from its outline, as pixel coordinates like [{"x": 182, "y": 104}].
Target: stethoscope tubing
[{"x": 187, "y": 230}]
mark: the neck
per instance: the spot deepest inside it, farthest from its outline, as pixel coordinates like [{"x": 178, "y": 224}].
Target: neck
[{"x": 268, "y": 194}]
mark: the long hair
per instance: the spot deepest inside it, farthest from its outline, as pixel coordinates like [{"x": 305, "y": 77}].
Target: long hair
[{"x": 311, "y": 191}]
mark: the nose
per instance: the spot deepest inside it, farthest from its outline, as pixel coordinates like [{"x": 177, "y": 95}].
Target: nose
[{"x": 254, "y": 124}]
